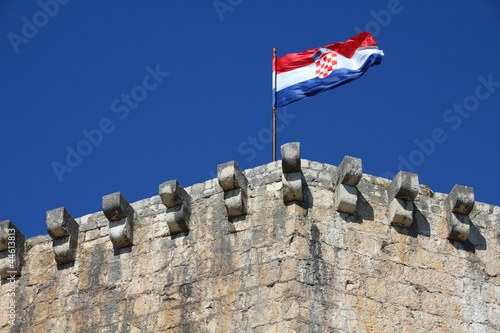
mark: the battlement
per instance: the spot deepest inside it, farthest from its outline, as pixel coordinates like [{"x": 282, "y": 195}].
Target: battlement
[{"x": 290, "y": 245}]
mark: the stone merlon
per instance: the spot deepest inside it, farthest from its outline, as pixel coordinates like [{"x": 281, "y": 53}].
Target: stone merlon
[
  {"x": 235, "y": 185},
  {"x": 290, "y": 157},
  {"x": 348, "y": 175},
  {"x": 458, "y": 206},
  {"x": 121, "y": 219},
  {"x": 63, "y": 230},
  {"x": 401, "y": 193},
  {"x": 349, "y": 171},
  {"x": 178, "y": 203},
  {"x": 404, "y": 186},
  {"x": 292, "y": 172}
]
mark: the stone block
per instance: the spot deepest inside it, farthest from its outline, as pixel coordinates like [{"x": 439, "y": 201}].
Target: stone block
[
  {"x": 292, "y": 186},
  {"x": 460, "y": 200},
  {"x": 115, "y": 207},
  {"x": 235, "y": 202},
  {"x": 230, "y": 176},
  {"x": 63, "y": 230},
  {"x": 458, "y": 206},
  {"x": 120, "y": 215},
  {"x": 458, "y": 226},
  {"x": 177, "y": 219},
  {"x": 60, "y": 223},
  {"x": 404, "y": 186},
  {"x": 401, "y": 193},
  {"x": 347, "y": 177},
  {"x": 292, "y": 174},
  {"x": 346, "y": 198},
  {"x": 234, "y": 183},
  {"x": 401, "y": 212},
  {"x": 349, "y": 171},
  {"x": 64, "y": 249},
  {"x": 178, "y": 203},
  {"x": 11, "y": 249},
  {"x": 173, "y": 194},
  {"x": 290, "y": 157}
]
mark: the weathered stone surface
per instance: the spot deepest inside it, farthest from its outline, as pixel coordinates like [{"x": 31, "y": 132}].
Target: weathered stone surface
[
  {"x": 11, "y": 250},
  {"x": 230, "y": 176},
  {"x": 290, "y": 157},
  {"x": 235, "y": 186},
  {"x": 346, "y": 198},
  {"x": 63, "y": 230},
  {"x": 173, "y": 194},
  {"x": 347, "y": 177},
  {"x": 349, "y": 171},
  {"x": 60, "y": 223},
  {"x": 292, "y": 173},
  {"x": 121, "y": 219},
  {"x": 115, "y": 206},
  {"x": 401, "y": 213},
  {"x": 460, "y": 200},
  {"x": 279, "y": 268},
  {"x": 178, "y": 203},
  {"x": 401, "y": 193},
  {"x": 292, "y": 186},
  {"x": 236, "y": 202},
  {"x": 404, "y": 186},
  {"x": 458, "y": 205},
  {"x": 178, "y": 219},
  {"x": 458, "y": 226}
]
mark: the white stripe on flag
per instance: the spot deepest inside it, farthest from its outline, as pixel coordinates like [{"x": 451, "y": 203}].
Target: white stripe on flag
[
  {"x": 295, "y": 76},
  {"x": 308, "y": 72}
]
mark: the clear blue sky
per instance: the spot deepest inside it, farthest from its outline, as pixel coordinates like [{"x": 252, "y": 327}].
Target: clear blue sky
[{"x": 67, "y": 75}]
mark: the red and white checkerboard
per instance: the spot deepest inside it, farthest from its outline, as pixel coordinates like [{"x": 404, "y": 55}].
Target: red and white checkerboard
[{"x": 326, "y": 64}]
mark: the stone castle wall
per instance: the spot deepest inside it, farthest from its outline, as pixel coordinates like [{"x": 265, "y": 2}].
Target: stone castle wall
[{"x": 291, "y": 246}]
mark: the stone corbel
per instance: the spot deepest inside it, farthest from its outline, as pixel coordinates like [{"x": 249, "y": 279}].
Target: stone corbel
[
  {"x": 178, "y": 203},
  {"x": 458, "y": 206},
  {"x": 11, "y": 250},
  {"x": 63, "y": 230},
  {"x": 401, "y": 194},
  {"x": 292, "y": 173},
  {"x": 121, "y": 219},
  {"x": 349, "y": 174},
  {"x": 235, "y": 187}
]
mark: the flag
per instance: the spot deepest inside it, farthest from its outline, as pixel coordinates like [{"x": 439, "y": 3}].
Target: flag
[{"x": 305, "y": 74}]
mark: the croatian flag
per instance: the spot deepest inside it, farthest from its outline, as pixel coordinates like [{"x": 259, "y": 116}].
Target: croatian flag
[{"x": 301, "y": 75}]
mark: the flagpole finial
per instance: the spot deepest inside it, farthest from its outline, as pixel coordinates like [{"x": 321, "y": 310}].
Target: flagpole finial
[{"x": 274, "y": 51}]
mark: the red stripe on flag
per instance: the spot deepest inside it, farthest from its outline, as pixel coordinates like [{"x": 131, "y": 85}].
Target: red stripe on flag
[{"x": 296, "y": 60}]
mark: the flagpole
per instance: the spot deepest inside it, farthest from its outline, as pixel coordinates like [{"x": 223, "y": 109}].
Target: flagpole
[{"x": 275, "y": 102}]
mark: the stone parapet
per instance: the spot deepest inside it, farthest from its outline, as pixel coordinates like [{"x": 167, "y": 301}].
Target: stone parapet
[{"x": 326, "y": 263}]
